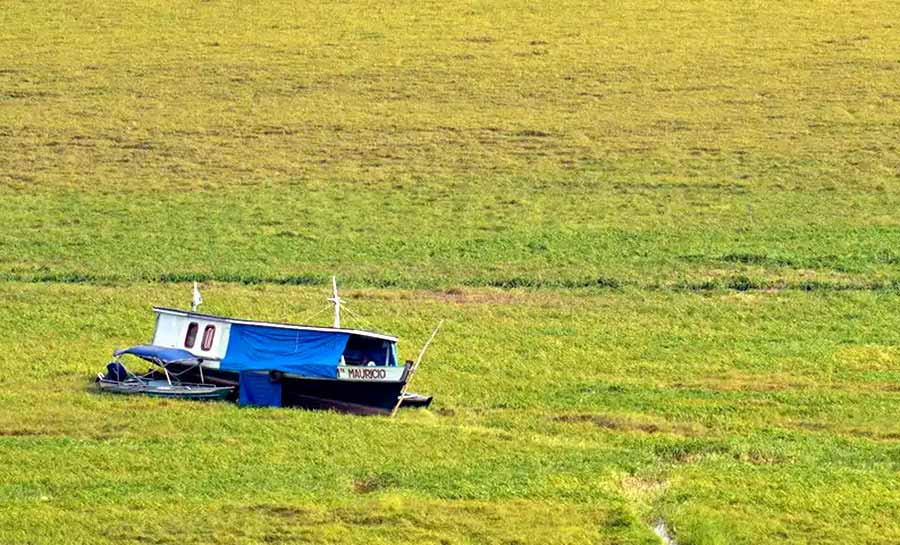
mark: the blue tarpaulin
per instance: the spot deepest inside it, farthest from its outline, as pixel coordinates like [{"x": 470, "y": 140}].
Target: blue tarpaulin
[
  {"x": 298, "y": 351},
  {"x": 161, "y": 353},
  {"x": 258, "y": 390}
]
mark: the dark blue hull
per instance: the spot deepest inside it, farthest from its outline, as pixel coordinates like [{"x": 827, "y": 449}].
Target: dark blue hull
[{"x": 357, "y": 397}]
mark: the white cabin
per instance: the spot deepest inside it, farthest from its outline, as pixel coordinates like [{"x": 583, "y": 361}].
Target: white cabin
[{"x": 206, "y": 336}]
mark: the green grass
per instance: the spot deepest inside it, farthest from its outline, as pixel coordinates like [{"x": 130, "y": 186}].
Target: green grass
[
  {"x": 436, "y": 145},
  {"x": 664, "y": 236},
  {"x": 563, "y": 416}
]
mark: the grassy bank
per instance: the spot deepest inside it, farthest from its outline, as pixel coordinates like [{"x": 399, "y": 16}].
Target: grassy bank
[
  {"x": 664, "y": 237},
  {"x": 425, "y": 145},
  {"x": 565, "y": 416}
]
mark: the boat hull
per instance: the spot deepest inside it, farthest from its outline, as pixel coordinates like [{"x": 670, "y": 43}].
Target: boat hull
[
  {"x": 161, "y": 388},
  {"x": 367, "y": 397}
]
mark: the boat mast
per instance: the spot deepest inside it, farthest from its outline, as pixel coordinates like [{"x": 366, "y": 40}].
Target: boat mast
[
  {"x": 196, "y": 299},
  {"x": 336, "y": 301}
]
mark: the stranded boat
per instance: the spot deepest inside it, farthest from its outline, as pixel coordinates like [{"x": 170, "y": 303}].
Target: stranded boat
[
  {"x": 118, "y": 380},
  {"x": 271, "y": 364}
]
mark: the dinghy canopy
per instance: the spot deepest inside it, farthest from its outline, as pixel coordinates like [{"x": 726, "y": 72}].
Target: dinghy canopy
[
  {"x": 158, "y": 353},
  {"x": 304, "y": 352}
]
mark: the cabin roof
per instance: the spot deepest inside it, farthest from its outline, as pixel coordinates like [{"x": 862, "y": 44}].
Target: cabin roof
[{"x": 360, "y": 332}]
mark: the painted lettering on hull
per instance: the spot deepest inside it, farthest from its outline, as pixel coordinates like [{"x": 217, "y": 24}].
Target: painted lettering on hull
[{"x": 365, "y": 373}]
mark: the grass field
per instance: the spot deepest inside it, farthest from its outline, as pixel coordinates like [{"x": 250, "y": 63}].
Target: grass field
[{"x": 664, "y": 236}]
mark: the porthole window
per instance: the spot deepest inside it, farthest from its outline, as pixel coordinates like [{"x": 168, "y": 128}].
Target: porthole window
[
  {"x": 208, "y": 335},
  {"x": 191, "y": 337}
]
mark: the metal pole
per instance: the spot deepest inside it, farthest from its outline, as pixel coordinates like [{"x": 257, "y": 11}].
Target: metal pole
[
  {"x": 415, "y": 366},
  {"x": 337, "y": 302}
]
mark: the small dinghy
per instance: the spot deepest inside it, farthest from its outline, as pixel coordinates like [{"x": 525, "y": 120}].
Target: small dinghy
[
  {"x": 119, "y": 380},
  {"x": 161, "y": 388}
]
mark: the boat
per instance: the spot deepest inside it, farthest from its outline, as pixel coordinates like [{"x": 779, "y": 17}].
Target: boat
[
  {"x": 162, "y": 388},
  {"x": 278, "y": 364},
  {"x": 119, "y": 380}
]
